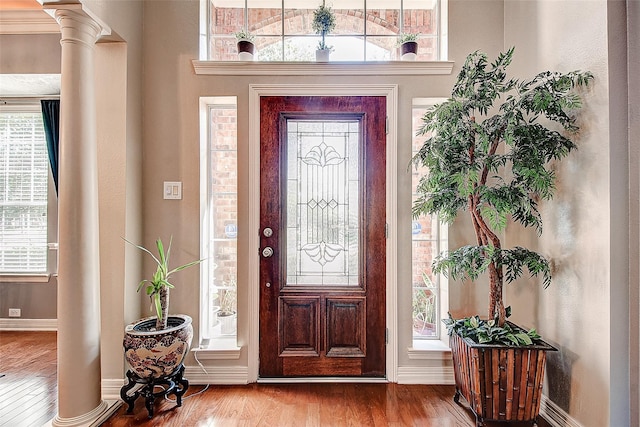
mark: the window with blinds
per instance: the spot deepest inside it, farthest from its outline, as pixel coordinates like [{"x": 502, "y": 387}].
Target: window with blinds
[{"x": 23, "y": 192}]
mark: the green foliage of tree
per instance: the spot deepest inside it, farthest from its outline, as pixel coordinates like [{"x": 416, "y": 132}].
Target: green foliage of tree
[{"x": 489, "y": 150}]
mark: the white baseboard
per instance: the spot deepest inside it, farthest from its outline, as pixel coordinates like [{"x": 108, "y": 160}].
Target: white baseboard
[
  {"x": 426, "y": 375},
  {"x": 217, "y": 375},
  {"x": 555, "y": 415},
  {"x": 111, "y": 388},
  {"x": 19, "y": 324}
]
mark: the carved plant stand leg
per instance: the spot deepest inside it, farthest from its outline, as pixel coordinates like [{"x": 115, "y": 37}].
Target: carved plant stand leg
[{"x": 174, "y": 384}]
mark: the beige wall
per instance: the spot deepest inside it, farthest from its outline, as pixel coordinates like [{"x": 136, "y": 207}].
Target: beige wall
[
  {"x": 30, "y": 54},
  {"x": 584, "y": 312},
  {"x": 171, "y": 128},
  {"x": 119, "y": 112},
  {"x": 161, "y": 143}
]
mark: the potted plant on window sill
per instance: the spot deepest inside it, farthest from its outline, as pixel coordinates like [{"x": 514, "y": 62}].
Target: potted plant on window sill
[
  {"x": 155, "y": 347},
  {"x": 324, "y": 21},
  {"x": 408, "y": 45},
  {"x": 227, "y": 315},
  {"x": 495, "y": 161},
  {"x": 245, "y": 44}
]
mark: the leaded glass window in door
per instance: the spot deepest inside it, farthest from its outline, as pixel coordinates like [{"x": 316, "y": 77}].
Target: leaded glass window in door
[{"x": 322, "y": 202}]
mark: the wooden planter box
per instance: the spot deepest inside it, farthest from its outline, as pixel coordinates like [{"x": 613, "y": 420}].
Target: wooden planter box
[{"x": 501, "y": 383}]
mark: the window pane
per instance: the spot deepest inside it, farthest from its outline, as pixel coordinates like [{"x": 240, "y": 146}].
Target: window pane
[
  {"x": 425, "y": 246},
  {"x": 265, "y": 17},
  {"x": 346, "y": 48},
  {"x": 223, "y": 229},
  {"x": 383, "y": 17},
  {"x": 224, "y": 48},
  {"x": 381, "y": 48},
  {"x": 349, "y": 17},
  {"x": 298, "y": 17},
  {"x": 269, "y": 48},
  {"x": 286, "y": 26},
  {"x": 23, "y": 193}
]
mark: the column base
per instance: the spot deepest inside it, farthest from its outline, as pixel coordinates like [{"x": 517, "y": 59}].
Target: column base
[{"x": 91, "y": 419}]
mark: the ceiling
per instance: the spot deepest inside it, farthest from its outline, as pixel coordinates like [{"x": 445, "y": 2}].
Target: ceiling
[{"x": 19, "y": 5}]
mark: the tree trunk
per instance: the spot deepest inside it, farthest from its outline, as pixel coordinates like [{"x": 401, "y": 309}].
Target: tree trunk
[
  {"x": 161, "y": 322},
  {"x": 496, "y": 305}
]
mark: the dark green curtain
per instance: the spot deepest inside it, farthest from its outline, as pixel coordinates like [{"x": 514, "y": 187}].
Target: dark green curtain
[{"x": 51, "y": 118}]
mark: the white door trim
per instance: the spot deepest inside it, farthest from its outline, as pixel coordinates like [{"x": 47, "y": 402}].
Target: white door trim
[{"x": 390, "y": 91}]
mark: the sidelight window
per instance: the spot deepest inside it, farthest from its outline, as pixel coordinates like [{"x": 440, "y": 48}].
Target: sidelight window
[
  {"x": 428, "y": 238},
  {"x": 219, "y": 213}
]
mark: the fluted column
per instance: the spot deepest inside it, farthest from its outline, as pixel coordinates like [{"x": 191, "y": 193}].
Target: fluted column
[{"x": 79, "y": 377}]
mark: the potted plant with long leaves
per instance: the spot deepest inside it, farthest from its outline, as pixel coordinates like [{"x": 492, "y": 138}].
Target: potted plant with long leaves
[
  {"x": 324, "y": 21},
  {"x": 155, "y": 347},
  {"x": 490, "y": 149}
]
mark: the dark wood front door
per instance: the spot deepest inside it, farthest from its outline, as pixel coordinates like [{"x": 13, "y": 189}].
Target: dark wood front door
[{"x": 322, "y": 236}]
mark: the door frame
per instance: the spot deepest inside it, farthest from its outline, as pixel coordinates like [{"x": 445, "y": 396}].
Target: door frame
[{"x": 390, "y": 91}]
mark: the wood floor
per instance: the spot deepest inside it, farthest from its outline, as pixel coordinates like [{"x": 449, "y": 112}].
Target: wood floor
[
  {"x": 28, "y": 383},
  {"x": 28, "y": 395}
]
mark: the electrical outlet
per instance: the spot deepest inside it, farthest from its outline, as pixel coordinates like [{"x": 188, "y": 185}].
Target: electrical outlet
[{"x": 14, "y": 312}]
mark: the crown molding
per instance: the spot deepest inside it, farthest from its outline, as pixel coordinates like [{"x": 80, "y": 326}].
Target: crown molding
[{"x": 27, "y": 22}]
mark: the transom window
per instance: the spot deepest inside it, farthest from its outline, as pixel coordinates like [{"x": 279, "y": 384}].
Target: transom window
[{"x": 366, "y": 30}]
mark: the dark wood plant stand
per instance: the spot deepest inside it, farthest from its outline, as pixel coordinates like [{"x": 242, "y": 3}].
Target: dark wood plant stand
[
  {"x": 174, "y": 384},
  {"x": 500, "y": 383}
]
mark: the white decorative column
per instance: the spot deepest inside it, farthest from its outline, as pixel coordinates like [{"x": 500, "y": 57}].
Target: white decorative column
[{"x": 79, "y": 377}]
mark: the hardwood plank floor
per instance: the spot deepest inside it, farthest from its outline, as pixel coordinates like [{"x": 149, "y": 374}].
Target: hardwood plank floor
[
  {"x": 307, "y": 405},
  {"x": 28, "y": 382},
  {"x": 28, "y": 398}
]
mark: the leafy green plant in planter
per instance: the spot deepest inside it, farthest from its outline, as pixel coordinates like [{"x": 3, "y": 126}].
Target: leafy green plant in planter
[
  {"x": 157, "y": 288},
  {"x": 324, "y": 21},
  {"x": 155, "y": 347},
  {"x": 407, "y": 37},
  {"x": 245, "y": 45},
  {"x": 495, "y": 161},
  {"x": 490, "y": 150},
  {"x": 408, "y": 44}
]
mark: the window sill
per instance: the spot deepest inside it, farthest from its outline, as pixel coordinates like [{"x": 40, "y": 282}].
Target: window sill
[
  {"x": 25, "y": 278},
  {"x": 360, "y": 68},
  {"x": 218, "y": 349},
  {"x": 429, "y": 350}
]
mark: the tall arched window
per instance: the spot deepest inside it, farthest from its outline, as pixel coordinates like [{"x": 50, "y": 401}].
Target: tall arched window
[{"x": 366, "y": 30}]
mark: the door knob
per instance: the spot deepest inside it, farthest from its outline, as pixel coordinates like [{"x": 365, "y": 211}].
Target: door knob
[
  {"x": 267, "y": 232},
  {"x": 267, "y": 252}
]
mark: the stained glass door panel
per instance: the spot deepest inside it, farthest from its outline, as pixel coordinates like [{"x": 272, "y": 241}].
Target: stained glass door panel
[{"x": 322, "y": 202}]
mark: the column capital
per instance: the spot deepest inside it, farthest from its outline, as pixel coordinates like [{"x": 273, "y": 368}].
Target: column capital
[{"x": 77, "y": 23}]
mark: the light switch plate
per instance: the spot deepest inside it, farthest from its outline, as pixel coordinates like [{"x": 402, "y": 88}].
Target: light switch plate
[{"x": 173, "y": 190}]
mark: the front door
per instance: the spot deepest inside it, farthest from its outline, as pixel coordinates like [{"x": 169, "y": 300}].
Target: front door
[{"x": 322, "y": 236}]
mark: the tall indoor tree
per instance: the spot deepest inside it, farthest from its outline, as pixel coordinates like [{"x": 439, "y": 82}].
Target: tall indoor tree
[{"x": 490, "y": 150}]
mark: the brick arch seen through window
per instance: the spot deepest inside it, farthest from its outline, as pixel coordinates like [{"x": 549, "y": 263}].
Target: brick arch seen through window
[{"x": 382, "y": 28}]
